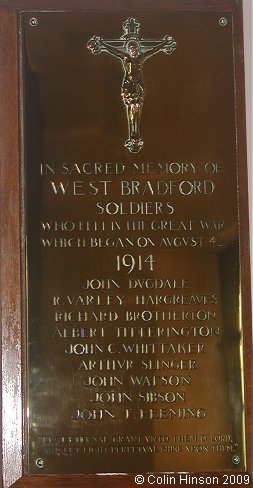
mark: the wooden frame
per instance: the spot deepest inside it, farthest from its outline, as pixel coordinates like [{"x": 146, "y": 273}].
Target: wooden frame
[{"x": 12, "y": 242}]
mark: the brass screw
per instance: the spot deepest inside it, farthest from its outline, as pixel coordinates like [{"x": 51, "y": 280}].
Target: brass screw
[
  {"x": 236, "y": 459},
  {"x": 40, "y": 463},
  {"x": 223, "y": 21},
  {"x": 33, "y": 22}
]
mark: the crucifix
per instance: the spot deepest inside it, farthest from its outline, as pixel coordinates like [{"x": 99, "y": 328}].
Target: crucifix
[{"x": 132, "y": 50}]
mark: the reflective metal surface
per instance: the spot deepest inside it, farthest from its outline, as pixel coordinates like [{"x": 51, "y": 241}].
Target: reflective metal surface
[
  {"x": 133, "y": 51},
  {"x": 133, "y": 288}
]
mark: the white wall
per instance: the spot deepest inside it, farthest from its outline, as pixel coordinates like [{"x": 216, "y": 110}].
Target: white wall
[{"x": 248, "y": 44}]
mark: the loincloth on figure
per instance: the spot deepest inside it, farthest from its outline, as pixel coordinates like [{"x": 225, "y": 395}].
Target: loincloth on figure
[{"x": 132, "y": 92}]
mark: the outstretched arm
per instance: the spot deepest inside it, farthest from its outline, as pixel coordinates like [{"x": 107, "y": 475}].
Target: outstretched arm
[
  {"x": 96, "y": 44},
  {"x": 167, "y": 45}
]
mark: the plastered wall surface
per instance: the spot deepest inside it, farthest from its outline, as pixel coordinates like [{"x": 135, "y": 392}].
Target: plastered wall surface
[{"x": 248, "y": 45}]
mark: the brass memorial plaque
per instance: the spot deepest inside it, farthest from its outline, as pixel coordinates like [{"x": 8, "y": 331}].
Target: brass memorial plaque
[{"x": 133, "y": 312}]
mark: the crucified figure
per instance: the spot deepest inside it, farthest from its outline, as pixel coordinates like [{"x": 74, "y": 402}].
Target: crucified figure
[{"x": 132, "y": 52}]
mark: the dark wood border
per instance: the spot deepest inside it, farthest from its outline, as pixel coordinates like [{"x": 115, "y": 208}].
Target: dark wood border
[
  {"x": 10, "y": 250},
  {"x": 12, "y": 240}
]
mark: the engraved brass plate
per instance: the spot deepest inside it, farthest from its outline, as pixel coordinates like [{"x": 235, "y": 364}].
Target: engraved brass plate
[{"x": 133, "y": 285}]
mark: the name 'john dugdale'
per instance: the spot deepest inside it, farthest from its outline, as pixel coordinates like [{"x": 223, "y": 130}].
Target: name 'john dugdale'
[{"x": 148, "y": 283}]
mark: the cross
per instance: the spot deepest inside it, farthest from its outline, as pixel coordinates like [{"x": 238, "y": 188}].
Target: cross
[
  {"x": 131, "y": 29},
  {"x": 133, "y": 51}
]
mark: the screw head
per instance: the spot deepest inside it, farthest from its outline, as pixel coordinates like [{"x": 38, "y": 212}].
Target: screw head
[
  {"x": 40, "y": 463},
  {"x": 33, "y": 22},
  {"x": 236, "y": 459},
  {"x": 223, "y": 21}
]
